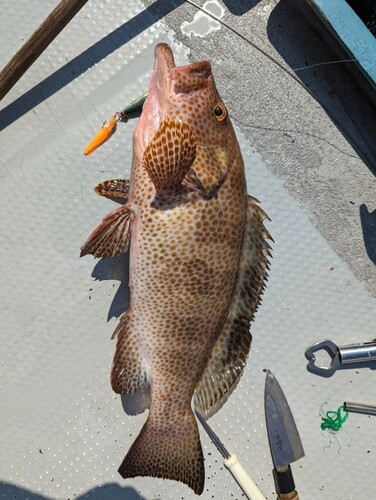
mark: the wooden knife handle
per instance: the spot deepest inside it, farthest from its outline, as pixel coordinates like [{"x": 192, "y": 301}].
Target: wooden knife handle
[
  {"x": 289, "y": 496},
  {"x": 285, "y": 485}
]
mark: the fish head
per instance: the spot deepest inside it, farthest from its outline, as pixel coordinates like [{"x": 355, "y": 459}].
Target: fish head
[{"x": 188, "y": 94}]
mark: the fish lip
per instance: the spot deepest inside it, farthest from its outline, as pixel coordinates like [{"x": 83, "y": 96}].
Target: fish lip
[
  {"x": 157, "y": 101},
  {"x": 199, "y": 77},
  {"x": 164, "y": 57},
  {"x": 172, "y": 80},
  {"x": 200, "y": 69},
  {"x": 161, "y": 83}
]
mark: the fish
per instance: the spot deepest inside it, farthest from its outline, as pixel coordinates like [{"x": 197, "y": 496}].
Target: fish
[{"x": 198, "y": 262}]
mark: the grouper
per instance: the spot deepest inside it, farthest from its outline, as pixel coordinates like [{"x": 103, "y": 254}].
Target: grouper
[{"x": 198, "y": 264}]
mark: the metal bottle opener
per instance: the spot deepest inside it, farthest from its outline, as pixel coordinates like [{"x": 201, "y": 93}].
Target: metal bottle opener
[{"x": 352, "y": 353}]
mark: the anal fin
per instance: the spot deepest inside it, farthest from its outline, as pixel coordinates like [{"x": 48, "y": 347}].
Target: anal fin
[
  {"x": 111, "y": 236},
  {"x": 228, "y": 358},
  {"x": 129, "y": 372}
]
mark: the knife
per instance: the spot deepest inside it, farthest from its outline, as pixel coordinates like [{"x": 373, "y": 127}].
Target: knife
[
  {"x": 232, "y": 463},
  {"x": 284, "y": 440}
]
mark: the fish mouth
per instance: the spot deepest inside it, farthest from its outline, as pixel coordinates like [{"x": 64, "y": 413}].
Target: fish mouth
[
  {"x": 170, "y": 85},
  {"x": 164, "y": 57},
  {"x": 164, "y": 64},
  {"x": 178, "y": 81}
]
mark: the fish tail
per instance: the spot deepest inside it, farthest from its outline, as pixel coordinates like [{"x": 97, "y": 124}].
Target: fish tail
[{"x": 169, "y": 450}]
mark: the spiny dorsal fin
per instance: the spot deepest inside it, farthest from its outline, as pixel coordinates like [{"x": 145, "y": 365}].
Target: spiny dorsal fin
[
  {"x": 170, "y": 154},
  {"x": 111, "y": 236},
  {"x": 228, "y": 358}
]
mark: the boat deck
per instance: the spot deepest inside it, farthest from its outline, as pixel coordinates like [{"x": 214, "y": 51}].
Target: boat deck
[{"x": 305, "y": 119}]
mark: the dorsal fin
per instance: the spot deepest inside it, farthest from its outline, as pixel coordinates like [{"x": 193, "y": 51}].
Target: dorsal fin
[
  {"x": 228, "y": 358},
  {"x": 170, "y": 154}
]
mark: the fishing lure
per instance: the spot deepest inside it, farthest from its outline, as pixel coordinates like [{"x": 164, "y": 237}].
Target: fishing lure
[{"x": 109, "y": 127}]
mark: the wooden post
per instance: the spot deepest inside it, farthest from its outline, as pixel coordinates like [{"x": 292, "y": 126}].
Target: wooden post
[{"x": 37, "y": 43}]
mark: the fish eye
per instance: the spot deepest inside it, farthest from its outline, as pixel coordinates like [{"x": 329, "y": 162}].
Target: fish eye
[{"x": 220, "y": 112}]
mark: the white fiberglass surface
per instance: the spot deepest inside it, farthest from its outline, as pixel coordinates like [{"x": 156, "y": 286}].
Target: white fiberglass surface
[{"x": 63, "y": 431}]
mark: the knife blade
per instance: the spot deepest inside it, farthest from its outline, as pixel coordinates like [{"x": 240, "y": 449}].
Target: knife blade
[{"x": 284, "y": 440}]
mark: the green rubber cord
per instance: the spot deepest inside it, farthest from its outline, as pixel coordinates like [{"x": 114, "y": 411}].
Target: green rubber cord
[{"x": 334, "y": 420}]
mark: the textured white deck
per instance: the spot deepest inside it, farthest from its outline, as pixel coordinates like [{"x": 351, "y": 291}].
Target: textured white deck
[{"x": 63, "y": 432}]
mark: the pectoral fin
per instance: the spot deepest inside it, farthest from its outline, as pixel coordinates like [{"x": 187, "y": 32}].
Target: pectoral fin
[
  {"x": 170, "y": 154},
  {"x": 209, "y": 170},
  {"x": 228, "y": 358},
  {"x": 111, "y": 236}
]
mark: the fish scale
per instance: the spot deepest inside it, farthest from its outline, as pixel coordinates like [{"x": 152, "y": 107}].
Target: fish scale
[{"x": 198, "y": 260}]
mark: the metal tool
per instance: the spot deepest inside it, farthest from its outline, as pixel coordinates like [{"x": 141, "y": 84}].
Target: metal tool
[
  {"x": 345, "y": 355},
  {"x": 241, "y": 476},
  {"x": 360, "y": 408},
  {"x": 284, "y": 440}
]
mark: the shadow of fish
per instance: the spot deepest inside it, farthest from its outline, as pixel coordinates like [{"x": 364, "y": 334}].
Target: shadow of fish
[{"x": 198, "y": 258}]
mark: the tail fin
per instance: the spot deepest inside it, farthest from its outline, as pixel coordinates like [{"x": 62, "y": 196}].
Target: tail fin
[{"x": 169, "y": 450}]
